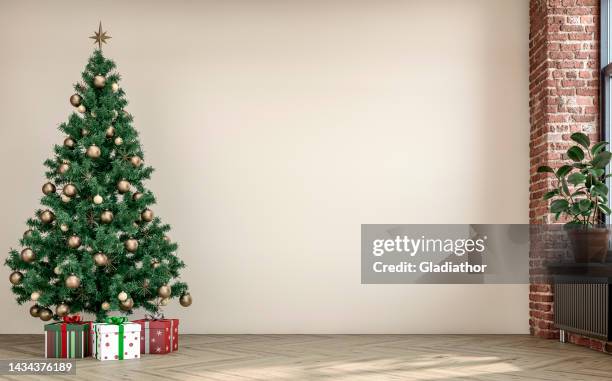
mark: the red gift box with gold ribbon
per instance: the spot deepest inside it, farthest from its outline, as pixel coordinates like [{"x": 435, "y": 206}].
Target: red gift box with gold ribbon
[{"x": 158, "y": 336}]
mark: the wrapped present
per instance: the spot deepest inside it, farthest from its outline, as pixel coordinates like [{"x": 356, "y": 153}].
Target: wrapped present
[
  {"x": 116, "y": 339},
  {"x": 159, "y": 335},
  {"x": 69, "y": 338}
]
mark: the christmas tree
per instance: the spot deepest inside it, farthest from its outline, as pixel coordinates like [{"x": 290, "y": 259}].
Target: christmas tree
[{"x": 96, "y": 246}]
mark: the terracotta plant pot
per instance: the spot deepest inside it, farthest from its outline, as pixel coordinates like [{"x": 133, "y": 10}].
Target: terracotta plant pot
[{"x": 589, "y": 245}]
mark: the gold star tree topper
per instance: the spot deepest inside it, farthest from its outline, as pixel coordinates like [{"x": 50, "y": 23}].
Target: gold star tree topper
[{"x": 100, "y": 37}]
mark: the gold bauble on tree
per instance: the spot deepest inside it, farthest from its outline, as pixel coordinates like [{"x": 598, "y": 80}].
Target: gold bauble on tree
[
  {"x": 45, "y": 314},
  {"x": 164, "y": 301},
  {"x": 64, "y": 228},
  {"x": 73, "y": 282},
  {"x": 27, "y": 255},
  {"x": 62, "y": 310},
  {"x": 131, "y": 245},
  {"x": 35, "y": 296},
  {"x": 47, "y": 216},
  {"x": 127, "y": 305},
  {"x": 105, "y": 306},
  {"x": 75, "y": 100},
  {"x": 81, "y": 109},
  {"x": 118, "y": 141},
  {"x": 35, "y": 310},
  {"x": 98, "y": 199},
  {"x": 164, "y": 291},
  {"x": 93, "y": 151},
  {"x": 136, "y": 196},
  {"x": 28, "y": 233},
  {"x": 123, "y": 186},
  {"x": 16, "y": 277},
  {"x": 185, "y": 300},
  {"x": 57, "y": 270},
  {"x": 84, "y": 132},
  {"x": 115, "y": 87},
  {"x": 74, "y": 242},
  {"x": 48, "y": 188},
  {"x": 147, "y": 215},
  {"x": 136, "y": 161},
  {"x": 65, "y": 198},
  {"x": 69, "y": 142},
  {"x": 110, "y": 132},
  {"x": 106, "y": 217},
  {"x": 123, "y": 296},
  {"x": 100, "y": 259},
  {"x": 69, "y": 190},
  {"x": 99, "y": 81},
  {"x": 63, "y": 168}
]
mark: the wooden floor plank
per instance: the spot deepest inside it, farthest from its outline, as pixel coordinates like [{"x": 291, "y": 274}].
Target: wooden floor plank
[{"x": 339, "y": 358}]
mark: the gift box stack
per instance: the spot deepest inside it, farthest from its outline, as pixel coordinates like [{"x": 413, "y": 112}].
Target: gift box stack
[{"x": 115, "y": 339}]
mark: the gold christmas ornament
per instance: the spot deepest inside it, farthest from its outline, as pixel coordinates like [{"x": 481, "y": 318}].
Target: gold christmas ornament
[
  {"x": 70, "y": 190},
  {"x": 45, "y": 314},
  {"x": 63, "y": 168},
  {"x": 147, "y": 215},
  {"x": 123, "y": 186},
  {"x": 35, "y": 310},
  {"x": 118, "y": 141},
  {"x": 127, "y": 305},
  {"x": 106, "y": 217},
  {"x": 62, "y": 310},
  {"x": 57, "y": 270},
  {"x": 136, "y": 161},
  {"x": 185, "y": 300},
  {"x": 48, "y": 188},
  {"x": 100, "y": 37},
  {"x": 123, "y": 296},
  {"x": 110, "y": 132},
  {"x": 100, "y": 259},
  {"x": 164, "y": 291},
  {"x": 115, "y": 87},
  {"x": 164, "y": 301},
  {"x": 84, "y": 132},
  {"x": 81, "y": 109},
  {"x": 99, "y": 81},
  {"x": 35, "y": 296},
  {"x": 74, "y": 242},
  {"x": 136, "y": 196},
  {"x": 131, "y": 245},
  {"x": 27, "y": 255},
  {"x": 64, "y": 228},
  {"x": 93, "y": 151},
  {"x": 73, "y": 282},
  {"x": 47, "y": 217},
  {"x": 75, "y": 100},
  {"x": 98, "y": 199},
  {"x": 16, "y": 277},
  {"x": 105, "y": 306},
  {"x": 28, "y": 233},
  {"x": 65, "y": 198},
  {"x": 69, "y": 142}
]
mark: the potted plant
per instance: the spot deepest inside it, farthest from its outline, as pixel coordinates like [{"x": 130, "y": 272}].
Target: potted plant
[{"x": 581, "y": 197}]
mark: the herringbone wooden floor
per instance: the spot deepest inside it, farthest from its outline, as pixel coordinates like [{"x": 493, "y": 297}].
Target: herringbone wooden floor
[{"x": 341, "y": 357}]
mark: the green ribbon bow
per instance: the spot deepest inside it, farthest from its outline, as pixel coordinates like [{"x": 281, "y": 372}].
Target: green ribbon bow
[{"x": 118, "y": 320}]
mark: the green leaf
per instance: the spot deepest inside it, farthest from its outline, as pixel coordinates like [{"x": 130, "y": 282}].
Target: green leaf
[
  {"x": 564, "y": 186},
  {"x": 600, "y": 189},
  {"x": 551, "y": 194},
  {"x": 576, "y": 178},
  {"x": 574, "y": 209},
  {"x": 578, "y": 193},
  {"x": 603, "y": 199},
  {"x": 584, "y": 205},
  {"x": 597, "y": 148},
  {"x": 564, "y": 170},
  {"x": 579, "y": 165},
  {"x": 545, "y": 169},
  {"x": 581, "y": 139},
  {"x": 604, "y": 209},
  {"x": 597, "y": 172},
  {"x": 575, "y": 153},
  {"x": 602, "y": 159},
  {"x": 558, "y": 206}
]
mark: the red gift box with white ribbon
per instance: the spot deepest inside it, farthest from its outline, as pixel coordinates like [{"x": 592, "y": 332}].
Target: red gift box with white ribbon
[{"x": 158, "y": 336}]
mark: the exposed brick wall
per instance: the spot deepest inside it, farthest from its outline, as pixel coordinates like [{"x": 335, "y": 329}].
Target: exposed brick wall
[{"x": 563, "y": 98}]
